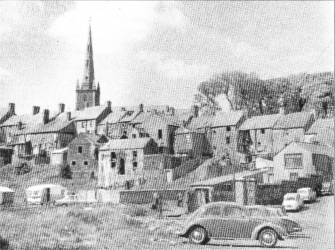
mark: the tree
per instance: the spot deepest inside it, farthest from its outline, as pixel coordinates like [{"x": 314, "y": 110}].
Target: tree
[
  {"x": 65, "y": 171},
  {"x": 242, "y": 90}
]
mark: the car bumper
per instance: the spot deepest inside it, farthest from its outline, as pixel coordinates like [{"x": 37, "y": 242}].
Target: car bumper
[{"x": 295, "y": 230}]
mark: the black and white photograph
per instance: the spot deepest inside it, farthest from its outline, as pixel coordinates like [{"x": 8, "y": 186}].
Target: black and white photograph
[{"x": 146, "y": 125}]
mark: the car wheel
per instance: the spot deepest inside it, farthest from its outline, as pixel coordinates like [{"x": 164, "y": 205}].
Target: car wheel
[
  {"x": 64, "y": 205},
  {"x": 268, "y": 238},
  {"x": 198, "y": 235}
]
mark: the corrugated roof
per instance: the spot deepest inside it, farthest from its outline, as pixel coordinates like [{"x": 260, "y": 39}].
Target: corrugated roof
[
  {"x": 90, "y": 113},
  {"x": 126, "y": 143},
  {"x": 293, "y": 120},
  {"x": 59, "y": 151},
  {"x": 226, "y": 178},
  {"x": 260, "y": 122},
  {"x": 227, "y": 118},
  {"x": 320, "y": 124}
]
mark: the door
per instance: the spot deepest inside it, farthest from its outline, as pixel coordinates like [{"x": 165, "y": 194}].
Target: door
[
  {"x": 236, "y": 223},
  {"x": 47, "y": 190}
]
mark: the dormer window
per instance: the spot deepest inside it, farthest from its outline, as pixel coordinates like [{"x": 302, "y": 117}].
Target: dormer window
[{"x": 228, "y": 128}]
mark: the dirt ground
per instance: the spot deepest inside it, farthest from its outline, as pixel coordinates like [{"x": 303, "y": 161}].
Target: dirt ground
[{"x": 139, "y": 227}]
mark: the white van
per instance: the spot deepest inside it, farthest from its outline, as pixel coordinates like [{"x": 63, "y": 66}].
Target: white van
[{"x": 52, "y": 193}]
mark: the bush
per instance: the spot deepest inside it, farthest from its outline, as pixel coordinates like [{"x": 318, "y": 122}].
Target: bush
[
  {"x": 4, "y": 244},
  {"x": 65, "y": 171},
  {"x": 22, "y": 168}
]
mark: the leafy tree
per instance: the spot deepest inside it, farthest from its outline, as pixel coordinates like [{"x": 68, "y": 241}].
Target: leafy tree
[{"x": 65, "y": 171}]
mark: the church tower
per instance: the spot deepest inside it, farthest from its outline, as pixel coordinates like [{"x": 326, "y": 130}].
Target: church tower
[{"x": 88, "y": 94}]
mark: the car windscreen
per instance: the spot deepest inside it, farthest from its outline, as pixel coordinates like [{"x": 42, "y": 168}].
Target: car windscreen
[{"x": 290, "y": 198}]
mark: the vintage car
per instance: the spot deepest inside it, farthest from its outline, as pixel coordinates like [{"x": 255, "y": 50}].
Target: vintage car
[
  {"x": 74, "y": 199},
  {"x": 266, "y": 211},
  {"x": 327, "y": 188},
  {"x": 307, "y": 194},
  {"x": 228, "y": 220},
  {"x": 293, "y": 202}
]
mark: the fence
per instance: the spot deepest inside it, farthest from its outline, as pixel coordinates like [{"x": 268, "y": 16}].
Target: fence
[
  {"x": 272, "y": 194},
  {"x": 146, "y": 196}
]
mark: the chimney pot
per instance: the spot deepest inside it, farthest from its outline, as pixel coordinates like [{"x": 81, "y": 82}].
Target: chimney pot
[
  {"x": 141, "y": 107},
  {"x": 195, "y": 111},
  {"x": 109, "y": 104}
]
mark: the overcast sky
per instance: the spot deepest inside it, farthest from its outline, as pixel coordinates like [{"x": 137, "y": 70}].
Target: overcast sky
[{"x": 154, "y": 52}]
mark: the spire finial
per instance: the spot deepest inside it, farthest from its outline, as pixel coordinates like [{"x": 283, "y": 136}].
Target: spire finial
[{"x": 88, "y": 78}]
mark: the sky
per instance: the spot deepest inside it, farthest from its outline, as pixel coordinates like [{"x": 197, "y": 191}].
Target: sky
[{"x": 154, "y": 52}]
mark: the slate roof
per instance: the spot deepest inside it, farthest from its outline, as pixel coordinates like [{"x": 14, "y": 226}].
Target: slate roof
[
  {"x": 113, "y": 117},
  {"x": 293, "y": 120},
  {"x": 260, "y": 122},
  {"x": 226, "y": 178},
  {"x": 3, "y": 112},
  {"x": 183, "y": 114},
  {"x": 130, "y": 116},
  {"x": 321, "y": 124},
  {"x": 90, "y": 113},
  {"x": 143, "y": 116},
  {"x": 201, "y": 122},
  {"x": 315, "y": 149},
  {"x": 57, "y": 124},
  {"x": 227, "y": 118},
  {"x": 134, "y": 143}
]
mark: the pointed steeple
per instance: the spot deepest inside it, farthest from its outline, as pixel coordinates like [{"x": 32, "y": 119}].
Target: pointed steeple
[{"x": 88, "y": 77}]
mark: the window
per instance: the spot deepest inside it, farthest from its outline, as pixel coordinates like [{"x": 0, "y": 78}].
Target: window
[
  {"x": 113, "y": 165},
  {"x": 85, "y": 163},
  {"x": 113, "y": 156},
  {"x": 235, "y": 212},
  {"x": 121, "y": 167},
  {"x": 73, "y": 163},
  {"x": 262, "y": 131},
  {"x": 91, "y": 123},
  {"x": 160, "y": 150},
  {"x": 213, "y": 211},
  {"x": 293, "y": 161},
  {"x": 134, "y": 154},
  {"x": 134, "y": 166},
  {"x": 80, "y": 149},
  {"x": 84, "y": 98},
  {"x": 160, "y": 134},
  {"x": 82, "y": 124},
  {"x": 227, "y": 140},
  {"x": 214, "y": 132},
  {"x": 294, "y": 176},
  {"x": 228, "y": 128},
  {"x": 133, "y": 136}
]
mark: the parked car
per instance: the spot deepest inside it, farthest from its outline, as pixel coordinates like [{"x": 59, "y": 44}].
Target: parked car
[
  {"x": 307, "y": 194},
  {"x": 74, "y": 199},
  {"x": 228, "y": 220},
  {"x": 265, "y": 211},
  {"x": 327, "y": 188},
  {"x": 293, "y": 202}
]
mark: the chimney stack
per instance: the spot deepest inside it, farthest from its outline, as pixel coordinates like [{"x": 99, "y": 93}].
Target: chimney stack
[
  {"x": 61, "y": 107},
  {"x": 11, "y": 107},
  {"x": 195, "y": 111},
  {"x": 123, "y": 109},
  {"x": 141, "y": 107},
  {"x": 109, "y": 104},
  {"x": 68, "y": 116},
  {"x": 36, "y": 110},
  {"x": 45, "y": 116}
]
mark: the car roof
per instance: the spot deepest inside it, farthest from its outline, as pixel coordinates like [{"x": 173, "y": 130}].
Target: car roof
[
  {"x": 221, "y": 203},
  {"x": 292, "y": 194},
  {"x": 304, "y": 189}
]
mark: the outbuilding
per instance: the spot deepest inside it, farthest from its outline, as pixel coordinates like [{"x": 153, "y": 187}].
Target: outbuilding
[
  {"x": 6, "y": 196},
  {"x": 300, "y": 159},
  {"x": 59, "y": 156}
]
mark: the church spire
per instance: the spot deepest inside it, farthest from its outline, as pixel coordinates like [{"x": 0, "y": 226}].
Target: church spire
[{"x": 88, "y": 78}]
